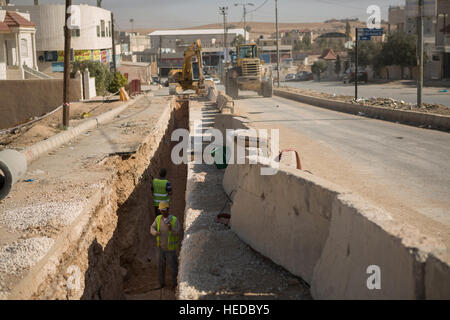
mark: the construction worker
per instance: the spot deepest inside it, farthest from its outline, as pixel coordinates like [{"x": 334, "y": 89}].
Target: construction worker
[
  {"x": 162, "y": 190},
  {"x": 166, "y": 230}
]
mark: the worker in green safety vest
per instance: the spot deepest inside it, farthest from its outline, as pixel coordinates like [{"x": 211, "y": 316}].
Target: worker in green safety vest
[
  {"x": 162, "y": 190},
  {"x": 166, "y": 230}
]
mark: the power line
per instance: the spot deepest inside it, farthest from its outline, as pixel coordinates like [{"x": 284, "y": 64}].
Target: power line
[{"x": 259, "y": 7}]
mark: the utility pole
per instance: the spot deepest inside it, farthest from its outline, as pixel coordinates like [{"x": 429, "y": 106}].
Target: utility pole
[
  {"x": 278, "y": 44},
  {"x": 132, "y": 25},
  {"x": 67, "y": 38},
  {"x": 356, "y": 65},
  {"x": 113, "y": 43},
  {"x": 244, "y": 6},
  {"x": 420, "y": 54},
  {"x": 224, "y": 11},
  {"x": 160, "y": 57}
]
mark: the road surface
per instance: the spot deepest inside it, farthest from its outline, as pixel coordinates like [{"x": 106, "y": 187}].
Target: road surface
[
  {"x": 396, "y": 91},
  {"x": 403, "y": 169}
]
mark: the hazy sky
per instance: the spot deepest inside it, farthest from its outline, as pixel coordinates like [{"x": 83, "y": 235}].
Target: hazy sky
[{"x": 187, "y": 13}]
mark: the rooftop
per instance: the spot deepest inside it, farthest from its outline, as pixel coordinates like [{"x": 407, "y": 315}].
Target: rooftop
[
  {"x": 194, "y": 32},
  {"x": 11, "y": 19}
]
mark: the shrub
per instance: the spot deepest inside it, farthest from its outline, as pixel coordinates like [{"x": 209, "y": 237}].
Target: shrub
[
  {"x": 118, "y": 81},
  {"x": 98, "y": 70}
]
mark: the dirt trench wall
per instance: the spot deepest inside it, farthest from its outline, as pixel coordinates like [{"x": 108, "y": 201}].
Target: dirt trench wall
[{"x": 111, "y": 242}]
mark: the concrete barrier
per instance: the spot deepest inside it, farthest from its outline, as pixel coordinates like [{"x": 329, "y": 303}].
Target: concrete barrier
[
  {"x": 211, "y": 92},
  {"x": 402, "y": 116},
  {"x": 331, "y": 238},
  {"x": 224, "y": 103}
]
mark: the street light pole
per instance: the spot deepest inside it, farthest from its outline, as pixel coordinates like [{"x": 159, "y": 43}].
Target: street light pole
[
  {"x": 278, "y": 44},
  {"x": 420, "y": 53},
  {"x": 223, "y": 11},
  {"x": 244, "y": 5}
]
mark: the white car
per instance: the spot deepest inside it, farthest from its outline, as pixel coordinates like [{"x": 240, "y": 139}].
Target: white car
[
  {"x": 208, "y": 78},
  {"x": 216, "y": 80}
]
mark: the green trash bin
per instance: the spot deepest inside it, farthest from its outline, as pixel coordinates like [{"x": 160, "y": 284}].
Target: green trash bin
[{"x": 221, "y": 157}]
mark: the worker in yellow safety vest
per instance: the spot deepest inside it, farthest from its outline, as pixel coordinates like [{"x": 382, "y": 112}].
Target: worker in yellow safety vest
[
  {"x": 166, "y": 230},
  {"x": 162, "y": 190}
]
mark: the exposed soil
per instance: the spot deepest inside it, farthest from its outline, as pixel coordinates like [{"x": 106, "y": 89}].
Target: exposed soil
[
  {"x": 142, "y": 281},
  {"x": 51, "y": 125}
]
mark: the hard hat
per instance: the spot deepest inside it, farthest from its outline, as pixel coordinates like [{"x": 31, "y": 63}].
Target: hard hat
[{"x": 163, "y": 205}]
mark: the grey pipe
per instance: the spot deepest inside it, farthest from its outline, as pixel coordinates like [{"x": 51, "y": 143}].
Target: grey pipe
[{"x": 13, "y": 166}]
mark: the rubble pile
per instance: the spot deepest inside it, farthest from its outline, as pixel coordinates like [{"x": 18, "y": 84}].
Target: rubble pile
[{"x": 378, "y": 102}]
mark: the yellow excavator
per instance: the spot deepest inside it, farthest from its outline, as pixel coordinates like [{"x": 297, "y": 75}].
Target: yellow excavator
[{"x": 191, "y": 76}]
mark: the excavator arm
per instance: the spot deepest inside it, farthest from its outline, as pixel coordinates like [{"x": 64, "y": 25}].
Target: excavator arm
[{"x": 191, "y": 76}]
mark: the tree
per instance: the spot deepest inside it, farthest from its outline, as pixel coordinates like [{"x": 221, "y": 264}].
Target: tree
[
  {"x": 98, "y": 70},
  {"x": 337, "y": 66},
  {"x": 399, "y": 49},
  {"x": 319, "y": 67},
  {"x": 368, "y": 53},
  {"x": 248, "y": 28}
]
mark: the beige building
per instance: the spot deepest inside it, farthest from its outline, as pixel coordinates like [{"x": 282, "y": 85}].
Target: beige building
[
  {"x": 396, "y": 20},
  {"x": 17, "y": 45},
  {"x": 442, "y": 53}
]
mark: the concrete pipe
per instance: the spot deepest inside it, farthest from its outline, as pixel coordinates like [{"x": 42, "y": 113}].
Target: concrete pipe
[{"x": 13, "y": 166}]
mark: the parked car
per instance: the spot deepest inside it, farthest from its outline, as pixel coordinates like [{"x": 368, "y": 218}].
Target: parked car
[
  {"x": 290, "y": 77},
  {"x": 349, "y": 76},
  {"x": 208, "y": 78},
  {"x": 304, "y": 76},
  {"x": 216, "y": 80}
]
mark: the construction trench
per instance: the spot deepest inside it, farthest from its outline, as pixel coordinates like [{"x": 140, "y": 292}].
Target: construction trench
[{"x": 318, "y": 244}]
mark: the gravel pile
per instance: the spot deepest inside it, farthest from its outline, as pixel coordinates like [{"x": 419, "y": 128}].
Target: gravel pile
[
  {"x": 54, "y": 214},
  {"x": 20, "y": 256},
  {"x": 394, "y": 104}
]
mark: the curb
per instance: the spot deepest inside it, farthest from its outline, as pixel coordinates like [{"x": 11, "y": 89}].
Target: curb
[
  {"x": 35, "y": 151},
  {"x": 412, "y": 118}
]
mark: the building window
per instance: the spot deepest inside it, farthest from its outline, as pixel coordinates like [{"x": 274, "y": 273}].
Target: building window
[
  {"x": 75, "y": 33},
  {"x": 98, "y": 31},
  {"x": 103, "y": 28},
  {"x": 110, "y": 29},
  {"x": 24, "y": 48}
]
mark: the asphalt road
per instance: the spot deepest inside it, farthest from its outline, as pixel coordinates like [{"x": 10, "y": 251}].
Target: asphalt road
[
  {"x": 400, "y": 168},
  {"x": 396, "y": 91}
]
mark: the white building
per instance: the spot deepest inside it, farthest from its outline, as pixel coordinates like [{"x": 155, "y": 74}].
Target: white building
[
  {"x": 91, "y": 41},
  {"x": 178, "y": 40},
  {"x": 17, "y": 45}
]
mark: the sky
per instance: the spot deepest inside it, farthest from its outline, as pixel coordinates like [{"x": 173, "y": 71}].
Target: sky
[{"x": 189, "y": 13}]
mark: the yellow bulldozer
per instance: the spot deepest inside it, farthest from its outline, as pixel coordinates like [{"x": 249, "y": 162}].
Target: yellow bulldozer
[
  {"x": 248, "y": 72},
  {"x": 191, "y": 76}
]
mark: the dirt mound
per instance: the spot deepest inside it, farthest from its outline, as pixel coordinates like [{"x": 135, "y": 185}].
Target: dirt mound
[{"x": 35, "y": 134}]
